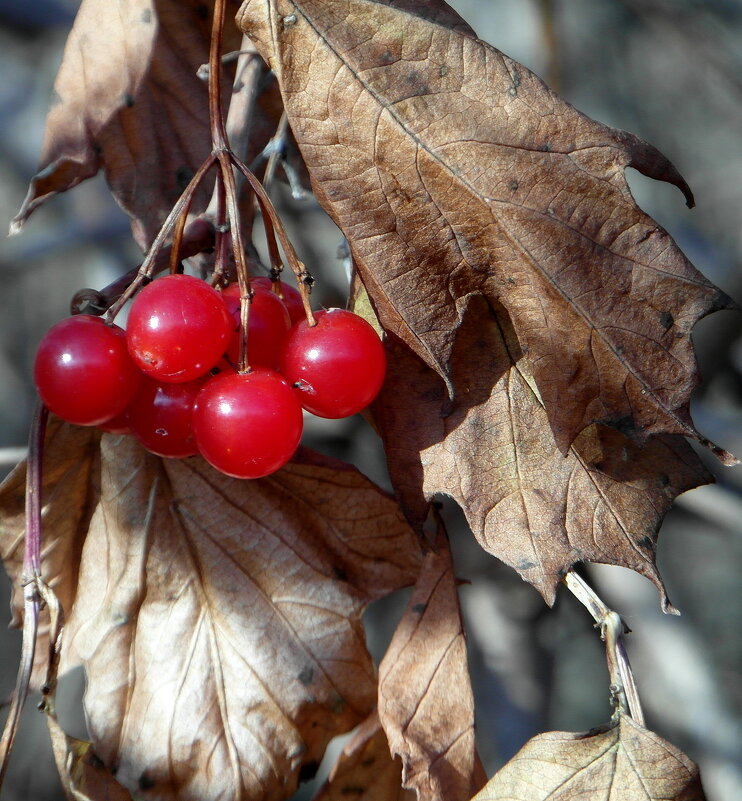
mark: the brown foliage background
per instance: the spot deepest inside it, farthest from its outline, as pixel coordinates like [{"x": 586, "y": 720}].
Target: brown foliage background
[{"x": 644, "y": 72}]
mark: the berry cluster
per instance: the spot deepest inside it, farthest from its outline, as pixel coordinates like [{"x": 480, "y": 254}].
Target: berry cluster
[{"x": 171, "y": 378}]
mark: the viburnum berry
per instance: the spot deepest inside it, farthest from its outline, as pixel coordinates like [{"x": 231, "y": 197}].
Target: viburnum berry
[
  {"x": 83, "y": 371},
  {"x": 268, "y": 325},
  {"x": 247, "y": 425},
  {"x": 336, "y": 366},
  {"x": 161, "y": 416},
  {"x": 178, "y": 328},
  {"x": 118, "y": 424},
  {"x": 288, "y": 294}
]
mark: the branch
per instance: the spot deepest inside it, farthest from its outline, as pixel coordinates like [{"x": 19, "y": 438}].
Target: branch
[{"x": 623, "y": 689}]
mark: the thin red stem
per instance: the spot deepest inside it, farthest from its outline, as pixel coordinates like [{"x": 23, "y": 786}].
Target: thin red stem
[
  {"x": 273, "y": 226},
  {"x": 218, "y": 131},
  {"x": 32, "y": 551},
  {"x": 145, "y": 271},
  {"x": 238, "y": 249}
]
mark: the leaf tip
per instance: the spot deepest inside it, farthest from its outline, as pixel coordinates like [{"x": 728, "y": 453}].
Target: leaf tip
[
  {"x": 725, "y": 457},
  {"x": 16, "y": 224},
  {"x": 667, "y": 607}
]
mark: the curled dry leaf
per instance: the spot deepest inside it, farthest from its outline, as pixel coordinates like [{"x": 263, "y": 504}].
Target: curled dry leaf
[
  {"x": 365, "y": 770},
  {"x": 69, "y": 494},
  {"x": 219, "y": 621},
  {"x": 128, "y": 100},
  {"x": 426, "y": 704},
  {"x": 453, "y": 170},
  {"x": 532, "y": 507},
  {"x": 622, "y": 763}
]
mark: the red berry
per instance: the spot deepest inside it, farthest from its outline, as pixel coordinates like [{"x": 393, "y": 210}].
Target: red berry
[
  {"x": 247, "y": 425},
  {"x": 177, "y": 328},
  {"x": 161, "y": 416},
  {"x": 117, "y": 425},
  {"x": 290, "y": 296},
  {"x": 83, "y": 371},
  {"x": 267, "y": 327},
  {"x": 337, "y": 366}
]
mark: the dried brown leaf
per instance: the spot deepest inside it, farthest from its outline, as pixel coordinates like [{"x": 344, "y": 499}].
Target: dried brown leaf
[
  {"x": 532, "y": 507},
  {"x": 83, "y": 775},
  {"x": 365, "y": 770},
  {"x": 231, "y": 609},
  {"x": 69, "y": 495},
  {"x": 127, "y": 100},
  {"x": 623, "y": 763},
  {"x": 219, "y": 621},
  {"x": 426, "y": 704},
  {"x": 453, "y": 170}
]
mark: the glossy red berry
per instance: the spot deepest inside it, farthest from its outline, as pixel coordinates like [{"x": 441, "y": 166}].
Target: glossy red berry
[
  {"x": 247, "y": 425},
  {"x": 118, "y": 424},
  {"x": 83, "y": 371},
  {"x": 177, "y": 328},
  {"x": 290, "y": 296},
  {"x": 267, "y": 327},
  {"x": 161, "y": 416},
  {"x": 337, "y": 366}
]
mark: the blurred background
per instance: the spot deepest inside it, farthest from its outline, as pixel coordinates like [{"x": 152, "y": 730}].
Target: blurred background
[{"x": 668, "y": 70}]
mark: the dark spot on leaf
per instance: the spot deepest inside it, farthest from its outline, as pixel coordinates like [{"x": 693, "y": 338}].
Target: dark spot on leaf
[
  {"x": 147, "y": 15},
  {"x": 666, "y": 320},
  {"x": 526, "y": 564},
  {"x": 442, "y": 70},
  {"x": 306, "y": 675},
  {"x": 338, "y": 706},
  {"x": 625, "y": 425},
  {"x": 308, "y": 771},
  {"x": 202, "y": 11},
  {"x": 145, "y": 782},
  {"x": 419, "y": 609},
  {"x": 368, "y": 761},
  {"x": 183, "y": 177},
  {"x": 353, "y": 789},
  {"x": 418, "y": 83},
  {"x": 128, "y": 100},
  {"x": 340, "y": 574},
  {"x": 386, "y": 57},
  {"x": 546, "y": 147},
  {"x": 646, "y": 542},
  {"x": 664, "y": 480},
  {"x": 513, "y": 185}
]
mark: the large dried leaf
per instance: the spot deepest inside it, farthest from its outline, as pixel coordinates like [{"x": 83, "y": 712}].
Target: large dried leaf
[
  {"x": 532, "y": 507},
  {"x": 426, "y": 704},
  {"x": 623, "y": 763},
  {"x": 219, "y": 621},
  {"x": 365, "y": 770},
  {"x": 128, "y": 100},
  {"x": 69, "y": 495},
  {"x": 452, "y": 170}
]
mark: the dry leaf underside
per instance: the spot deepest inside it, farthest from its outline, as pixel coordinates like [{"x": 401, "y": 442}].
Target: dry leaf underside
[
  {"x": 426, "y": 705},
  {"x": 622, "y": 763},
  {"x": 223, "y": 607}
]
